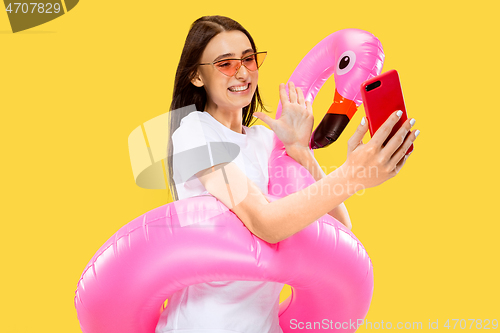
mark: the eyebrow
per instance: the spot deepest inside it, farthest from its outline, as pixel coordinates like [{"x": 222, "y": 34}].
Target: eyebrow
[{"x": 225, "y": 55}]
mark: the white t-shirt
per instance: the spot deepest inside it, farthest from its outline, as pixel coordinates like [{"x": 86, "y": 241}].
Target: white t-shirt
[{"x": 220, "y": 306}]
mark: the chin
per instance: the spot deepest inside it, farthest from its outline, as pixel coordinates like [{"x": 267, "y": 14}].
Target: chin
[{"x": 246, "y": 103}]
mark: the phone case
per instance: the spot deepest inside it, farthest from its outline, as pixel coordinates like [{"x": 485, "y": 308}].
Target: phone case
[{"x": 382, "y": 95}]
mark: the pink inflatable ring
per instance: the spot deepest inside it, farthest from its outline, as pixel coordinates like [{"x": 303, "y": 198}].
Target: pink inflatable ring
[{"x": 124, "y": 286}]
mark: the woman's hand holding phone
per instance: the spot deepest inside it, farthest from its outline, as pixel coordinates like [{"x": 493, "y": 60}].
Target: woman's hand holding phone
[
  {"x": 371, "y": 164},
  {"x": 382, "y": 95}
]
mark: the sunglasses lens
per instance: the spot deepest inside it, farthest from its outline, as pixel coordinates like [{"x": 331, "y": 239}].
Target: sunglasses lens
[
  {"x": 252, "y": 63},
  {"x": 228, "y": 67},
  {"x": 260, "y": 58}
]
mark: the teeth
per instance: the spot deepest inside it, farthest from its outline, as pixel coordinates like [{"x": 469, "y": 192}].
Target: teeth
[{"x": 239, "y": 88}]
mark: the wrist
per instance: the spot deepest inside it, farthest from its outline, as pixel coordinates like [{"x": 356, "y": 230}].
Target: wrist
[
  {"x": 301, "y": 155},
  {"x": 352, "y": 182}
]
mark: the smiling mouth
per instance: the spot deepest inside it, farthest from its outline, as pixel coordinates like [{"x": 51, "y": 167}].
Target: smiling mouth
[{"x": 237, "y": 89}]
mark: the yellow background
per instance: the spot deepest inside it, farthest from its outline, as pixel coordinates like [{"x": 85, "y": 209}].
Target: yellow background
[{"x": 74, "y": 88}]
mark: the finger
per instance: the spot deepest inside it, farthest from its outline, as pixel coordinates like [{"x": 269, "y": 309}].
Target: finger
[
  {"x": 265, "y": 118},
  {"x": 397, "y": 140},
  {"x": 400, "y": 153},
  {"x": 309, "y": 107},
  {"x": 358, "y": 135},
  {"x": 292, "y": 92},
  {"x": 300, "y": 96},
  {"x": 401, "y": 163},
  {"x": 383, "y": 132},
  {"x": 283, "y": 95}
]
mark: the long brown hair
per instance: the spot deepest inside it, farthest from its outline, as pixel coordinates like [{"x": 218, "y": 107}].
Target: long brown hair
[{"x": 187, "y": 94}]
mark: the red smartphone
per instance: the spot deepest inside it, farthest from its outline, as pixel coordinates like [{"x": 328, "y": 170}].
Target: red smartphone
[{"x": 382, "y": 95}]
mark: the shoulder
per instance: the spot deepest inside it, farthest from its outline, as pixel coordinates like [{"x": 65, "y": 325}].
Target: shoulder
[
  {"x": 194, "y": 131},
  {"x": 194, "y": 117},
  {"x": 262, "y": 130},
  {"x": 197, "y": 124},
  {"x": 263, "y": 134}
]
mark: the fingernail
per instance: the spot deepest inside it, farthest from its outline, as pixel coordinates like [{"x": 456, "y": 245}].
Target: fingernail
[
  {"x": 412, "y": 121},
  {"x": 417, "y": 132},
  {"x": 363, "y": 121},
  {"x": 255, "y": 116},
  {"x": 399, "y": 113}
]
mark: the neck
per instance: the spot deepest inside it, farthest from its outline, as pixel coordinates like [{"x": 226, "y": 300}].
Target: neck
[{"x": 232, "y": 119}]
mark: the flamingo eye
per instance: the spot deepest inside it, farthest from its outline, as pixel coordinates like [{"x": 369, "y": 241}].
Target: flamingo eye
[{"x": 346, "y": 62}]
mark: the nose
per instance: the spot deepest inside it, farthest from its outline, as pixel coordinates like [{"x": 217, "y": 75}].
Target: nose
[{"x": 241, "y": 72}]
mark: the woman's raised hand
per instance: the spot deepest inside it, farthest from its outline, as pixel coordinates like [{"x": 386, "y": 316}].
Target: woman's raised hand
[
  {"x": 371, "y": 164},
  {"x": 294, "y": 126}
]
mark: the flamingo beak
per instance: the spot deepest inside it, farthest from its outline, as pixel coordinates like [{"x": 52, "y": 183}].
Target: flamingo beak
[{"x": 333, "y": 123}]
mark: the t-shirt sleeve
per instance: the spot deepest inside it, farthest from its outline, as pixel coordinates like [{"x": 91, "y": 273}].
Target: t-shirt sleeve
[{"x": 197, "y": 146}]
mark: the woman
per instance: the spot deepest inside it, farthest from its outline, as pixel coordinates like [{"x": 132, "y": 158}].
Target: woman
[{"x": 227, "y": 92}]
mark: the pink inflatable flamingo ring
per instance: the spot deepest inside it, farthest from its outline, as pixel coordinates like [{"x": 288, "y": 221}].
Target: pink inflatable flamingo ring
[{"x": 124, "y": 286}]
